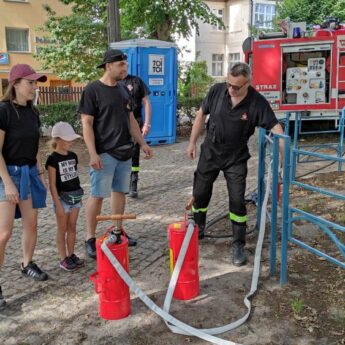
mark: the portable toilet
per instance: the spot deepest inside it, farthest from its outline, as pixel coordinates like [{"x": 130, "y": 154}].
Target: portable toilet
[{"x": 155, "y": 62}]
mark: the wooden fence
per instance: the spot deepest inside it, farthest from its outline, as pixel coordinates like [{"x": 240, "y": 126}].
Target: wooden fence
[{"x": 49, "y": 94}]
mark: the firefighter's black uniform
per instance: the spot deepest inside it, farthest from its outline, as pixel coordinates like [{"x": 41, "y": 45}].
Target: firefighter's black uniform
[
  {"x": 225, "y": 149},
  {"x": 137, "y": 90}
]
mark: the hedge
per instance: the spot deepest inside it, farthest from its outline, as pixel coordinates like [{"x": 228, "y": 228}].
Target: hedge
[
  {"x": 187, "y": 106},
  {"x": 64, "y": 111},
  {"x": 67, "y": 112}
]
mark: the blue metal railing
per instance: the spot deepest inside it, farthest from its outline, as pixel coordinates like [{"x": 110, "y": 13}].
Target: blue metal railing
[
  {"x": 269, "y": 149},
  {"x": 272, "y": 142}
]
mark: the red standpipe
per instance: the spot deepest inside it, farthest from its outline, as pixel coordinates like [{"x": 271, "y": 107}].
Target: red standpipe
[
  {"x": 187, "y": 286},
  {"x": 114, "y": 297}
]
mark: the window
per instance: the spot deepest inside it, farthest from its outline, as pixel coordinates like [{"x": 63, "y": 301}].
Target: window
[
  {"x": 264, "y": 15},
  {"x": 17, "y": 40},
  {"x": 217, "y": 65},
  {"x": 219, "y": 14},
  {"x": 17, "y": 0},
  {"x": 233, "y": 58}
]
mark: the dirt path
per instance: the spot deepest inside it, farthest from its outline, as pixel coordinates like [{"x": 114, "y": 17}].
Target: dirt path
[{"x": 309, "y": 310}]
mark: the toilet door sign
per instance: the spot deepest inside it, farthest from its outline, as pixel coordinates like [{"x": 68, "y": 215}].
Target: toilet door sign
[{"x": 156, "y": 64}]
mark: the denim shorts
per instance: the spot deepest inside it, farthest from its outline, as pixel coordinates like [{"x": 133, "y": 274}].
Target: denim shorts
[
  {"x": 67, "y": 208},
  {"x": 113, "y": 177},
  {"x": 16, "y": 181}
]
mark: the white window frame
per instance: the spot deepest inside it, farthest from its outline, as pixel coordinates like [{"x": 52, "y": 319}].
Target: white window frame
[
  {"x": 8, "y": 45},
  {"x": 233, "y": 58},
  {"x": 219, "y": 13},
  {"x": 16, "y": 0},
  {"x": 264, "y": 15},
  {"x": 217, "y": 65}
]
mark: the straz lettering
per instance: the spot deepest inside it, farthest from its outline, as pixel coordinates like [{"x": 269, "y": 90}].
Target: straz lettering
[{"x": 266, "y": 87}]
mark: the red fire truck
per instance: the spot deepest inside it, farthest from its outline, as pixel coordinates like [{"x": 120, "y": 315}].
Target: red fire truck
[{"x": 305, "y": 74}]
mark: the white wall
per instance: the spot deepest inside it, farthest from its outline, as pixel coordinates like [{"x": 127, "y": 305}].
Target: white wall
[{"x": 236, "y": 17}]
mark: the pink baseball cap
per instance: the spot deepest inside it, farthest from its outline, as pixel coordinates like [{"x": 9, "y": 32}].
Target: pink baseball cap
[
  {"x": 64, "y": 131},
  {"x": 24, "y": 71}
]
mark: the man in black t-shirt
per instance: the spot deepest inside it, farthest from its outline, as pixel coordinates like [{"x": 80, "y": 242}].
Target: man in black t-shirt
[
  {"x": 108, "y": 128},
  {"x": 235, "y": 109},
  {"x": 139, "y": 93}
]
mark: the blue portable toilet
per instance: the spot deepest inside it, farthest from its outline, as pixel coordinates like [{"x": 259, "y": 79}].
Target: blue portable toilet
[{"x": 155, "y": 62}]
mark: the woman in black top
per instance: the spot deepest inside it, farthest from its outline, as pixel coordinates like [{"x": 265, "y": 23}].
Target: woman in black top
[{"x": 22, "y": 186}]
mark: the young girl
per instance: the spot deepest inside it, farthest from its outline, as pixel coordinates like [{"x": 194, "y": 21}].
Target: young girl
[{"x": 66, "y": 192}]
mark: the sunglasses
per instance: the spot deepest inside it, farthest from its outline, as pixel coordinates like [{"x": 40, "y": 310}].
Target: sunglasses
[{"x": 235, "y": 87}]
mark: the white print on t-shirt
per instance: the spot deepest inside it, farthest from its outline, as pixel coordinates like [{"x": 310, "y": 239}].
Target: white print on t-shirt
[{"x": 67, "y": 170}]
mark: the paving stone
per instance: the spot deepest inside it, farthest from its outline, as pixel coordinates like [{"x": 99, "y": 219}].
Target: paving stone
[{"x": 165, "y": 185}]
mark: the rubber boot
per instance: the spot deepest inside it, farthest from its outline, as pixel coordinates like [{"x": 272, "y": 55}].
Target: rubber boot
[
  {"x": 133, "y": 186},
  {"x": 239, "y": 257},
  {"x": 200, "y": 220}
]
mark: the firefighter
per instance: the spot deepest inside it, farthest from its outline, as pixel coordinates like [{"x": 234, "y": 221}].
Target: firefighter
[
  {"x": 235, "y": 108},
  {"x": 139, "y": 97}
]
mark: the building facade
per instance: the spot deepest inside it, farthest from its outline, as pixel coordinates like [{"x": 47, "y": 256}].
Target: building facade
[
  {"x": 20, "y": 37},
  {"x": 221, "y": 47}
]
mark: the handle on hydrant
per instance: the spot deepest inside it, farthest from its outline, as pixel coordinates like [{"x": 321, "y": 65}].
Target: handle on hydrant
[
  {"x": 116, "y": 217},
  {"x": 95, "y": 278}
]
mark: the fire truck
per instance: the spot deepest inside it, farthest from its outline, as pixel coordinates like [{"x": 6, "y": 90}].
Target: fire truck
[{"x": 304, "y": 74}]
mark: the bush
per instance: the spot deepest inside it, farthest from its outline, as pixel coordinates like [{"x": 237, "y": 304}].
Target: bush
[
  {"x": 187, "y": 106},
  {"x": 193, "y": 79},
  {"x": 64, "y": 111}
]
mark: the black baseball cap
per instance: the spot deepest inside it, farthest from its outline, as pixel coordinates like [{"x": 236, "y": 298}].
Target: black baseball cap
[{"x": 112, "y": 55}]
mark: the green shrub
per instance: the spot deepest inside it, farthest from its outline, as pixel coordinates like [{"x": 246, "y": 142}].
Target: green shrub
[
  {"x": 187, "y": 106},
  {"x": 64, "y": 111},
  {"x": 193, "y": 79}
]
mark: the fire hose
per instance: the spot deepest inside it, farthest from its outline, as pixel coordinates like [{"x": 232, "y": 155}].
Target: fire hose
[{"x": 175, "y": 325}]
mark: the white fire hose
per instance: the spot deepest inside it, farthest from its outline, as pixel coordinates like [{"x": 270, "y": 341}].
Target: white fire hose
[{"x": 176, "y": 325}]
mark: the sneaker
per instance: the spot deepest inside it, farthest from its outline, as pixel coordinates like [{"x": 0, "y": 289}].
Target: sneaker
[
  {"x": 68, "y": 264},
  {"x": 90, "y": 246},
  {"x": 33, "y": 271},
  {"x": 79, "y": 262},
  {"x": 2, "y": 300}
]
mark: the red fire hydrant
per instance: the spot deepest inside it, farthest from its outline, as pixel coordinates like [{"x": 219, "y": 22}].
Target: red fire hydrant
[
  {"x": 114, "y": 297},
  {"x": 187, "y": 286}
]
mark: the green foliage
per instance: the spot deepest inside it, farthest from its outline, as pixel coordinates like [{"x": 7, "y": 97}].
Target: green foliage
[
  {"x": 339, "y": 9},
  {"x": 193, "y": 79},
  {"x": 79, "y": 42},
  {"x": 161, "y": 19},
  {"x": 193, "y": 84},
  {"x": 64, "y": 111},
  {"x": 297, "y": 305},
  {"x": 187, "y": 106},
  {"x": 80, "y": 39},
  {"x": 311, "y": 12}
]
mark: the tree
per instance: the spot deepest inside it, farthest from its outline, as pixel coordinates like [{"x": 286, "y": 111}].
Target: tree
[
  {"x": 311, "y": 12},
  {"x": 194, "y": 80},
  {"x": 161, "y": 19},
  {"x": 80, "y": 39}
]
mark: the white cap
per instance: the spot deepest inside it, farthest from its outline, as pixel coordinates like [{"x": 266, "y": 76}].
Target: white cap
[{"x": 64, "y": 131}]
